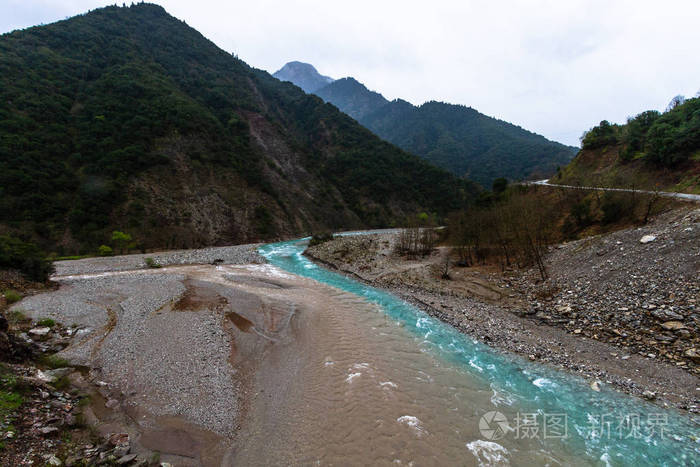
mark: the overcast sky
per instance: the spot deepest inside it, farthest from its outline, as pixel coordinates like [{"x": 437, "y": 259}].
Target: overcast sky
[{"x": 555, "y": 67}]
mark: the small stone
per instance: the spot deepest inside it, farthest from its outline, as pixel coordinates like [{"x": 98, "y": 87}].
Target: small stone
[
  {"x": 693, "y": 355},
  {"x": 40, "y": 331},
  {"x": 595, "y": 385},
  {"x": 46, "y": 430},
  {"x": 649, "y": 395},
  {"x": 121, "y": 451},
  {"x": 119, "y": 439},
  {"x": 577, "y": 331},
  {"x": 54, "y": 461},
  {"x": 647, "y": 239},
  {"x": 126, "y": 459},
  {"x": 672, "y": 325},
  {"x": 45, "y": 377},
  {"x": 112, "y": 403}
]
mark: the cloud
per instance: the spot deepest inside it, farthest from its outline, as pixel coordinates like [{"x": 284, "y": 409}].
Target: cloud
[{"x": 556, "y": 67}]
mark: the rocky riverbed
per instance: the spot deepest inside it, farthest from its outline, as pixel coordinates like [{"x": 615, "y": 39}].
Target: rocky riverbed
[
  {"x": 620, "y": 309},
  {"x": 166, "y": 354}
]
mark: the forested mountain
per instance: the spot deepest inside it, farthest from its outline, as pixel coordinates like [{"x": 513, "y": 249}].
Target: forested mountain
[
  {"x": 303, "y": 75},
  {"x": 352, "y": 97},
  {"x": 454, "y": 137},
  {"x": 652, "y": 150},
  {"x": 126, "y": 118},
  {"x": 466, "y": 142}
]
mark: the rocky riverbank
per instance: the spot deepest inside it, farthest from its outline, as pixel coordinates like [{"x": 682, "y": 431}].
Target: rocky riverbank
[{"x": 617, "y": 310}]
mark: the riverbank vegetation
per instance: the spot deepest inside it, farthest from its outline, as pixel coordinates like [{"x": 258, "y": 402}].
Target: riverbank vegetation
[
  {"x": 25, "y": 257},
  {"x": 515, "y": 228}
]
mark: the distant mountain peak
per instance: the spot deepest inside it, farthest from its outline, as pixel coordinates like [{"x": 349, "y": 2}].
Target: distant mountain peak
[{"x": 303, "y": 75}]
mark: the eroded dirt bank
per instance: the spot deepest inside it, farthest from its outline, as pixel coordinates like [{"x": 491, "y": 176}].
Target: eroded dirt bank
[{"x": 615, "y": 310}]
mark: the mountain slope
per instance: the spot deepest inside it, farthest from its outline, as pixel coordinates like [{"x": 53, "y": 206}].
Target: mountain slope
[
  {"x": 652, "y": 150},
  {"x": 126, "y": 118},
  {"x": 466, "y": 142},
  {"x": 303, "y": 75},
  {"x": 352, "y": 97},
  {"x": 453, "y": 137}
]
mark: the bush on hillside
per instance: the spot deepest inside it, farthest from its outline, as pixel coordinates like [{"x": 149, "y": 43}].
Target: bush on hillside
[
  {"x": 25, "y": 257},
  {"x": 599, "y": 136},
  {"x": 317, "y": 239}
]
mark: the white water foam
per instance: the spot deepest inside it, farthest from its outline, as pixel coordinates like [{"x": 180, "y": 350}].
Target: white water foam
[
  {"x": 352, "y": 376},
  {"x": 488, "y": 453},
  {"x": 544, "y": 383},
  {"x": 414, "y": 423}
]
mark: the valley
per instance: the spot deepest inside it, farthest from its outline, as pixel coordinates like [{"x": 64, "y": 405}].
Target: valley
[
  {"x": 206, "y": 264},
  {"x": 214, "y": 364}
]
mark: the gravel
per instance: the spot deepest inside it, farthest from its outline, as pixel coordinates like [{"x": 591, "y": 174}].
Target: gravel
[
  {"x": 168, "y": 362},
  {"x": 639, "y": 294},
  {"x": 237, "y": 254}
]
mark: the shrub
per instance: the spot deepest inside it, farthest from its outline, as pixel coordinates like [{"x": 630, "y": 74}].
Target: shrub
[
  {"x": 597, "y": 137},
  {"x": 12, "y": 297},
  {"x": 317, "y": 239},
  {"x": 151, "y": 263},
  {"x": 500, "y": 185},
  {"x": 105, "y": 250},
  {"x": 615, "y": 207},
  {"x": 48, "y": 322},
  {"x": 26, "y": 257}
]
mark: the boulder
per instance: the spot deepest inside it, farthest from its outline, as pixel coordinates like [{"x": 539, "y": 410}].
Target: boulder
[{"x": 40, "y": 331}]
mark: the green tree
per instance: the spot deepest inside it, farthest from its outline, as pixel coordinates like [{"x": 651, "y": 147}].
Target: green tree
[
  {"x": 105, "y": 250},
  {"x": 121, "y": 240}
]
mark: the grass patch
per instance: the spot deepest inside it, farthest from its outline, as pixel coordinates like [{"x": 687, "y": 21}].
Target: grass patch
[
  {"x": 61, "y": 383},
  {"x": 53, "y": 362},
  {"x": 10, "y": 392},
  {"x": 12, "y": 297},
  {"x": 9, "y": 402},
  {"x": 47, "y": 322},
  {"x": 84, "y": 401}
]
